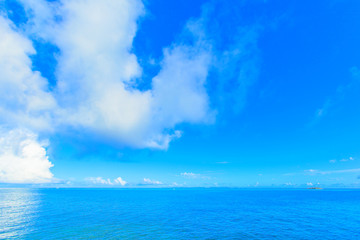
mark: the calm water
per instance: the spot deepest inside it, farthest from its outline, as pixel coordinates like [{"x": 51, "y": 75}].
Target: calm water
[{"x": 179, "y": 214}]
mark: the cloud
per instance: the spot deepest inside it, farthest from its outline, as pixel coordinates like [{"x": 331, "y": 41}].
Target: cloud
[
  {"x": 24, "y": 104},
  {"x": 25, "y": 100},
  {"x": 102, "y": 181},
  {"x": 347, "y": 159},
  {"x": 313, "y": 171},
  {"x": 323, "y": 172},
  {"x": 235, "y": 48},
  {"x": 342, "y": 95},
  {"x": 120, "y": 181},
  {"x": 23, "y": 158},
  {"x": 99, "y": 180},
  {"x": 189, "y": 174},
  {"x": 151, "y": 182},
  {"x": 97, "y": 71},
  {"x": 342, "y": 160},
  {"x": 193, "y": 175}
]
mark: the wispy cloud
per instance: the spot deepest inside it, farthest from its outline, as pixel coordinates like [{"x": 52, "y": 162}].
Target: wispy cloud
[
  {"x": 193, "y": 175},
  {"x": 236, "y": 63},
  {"x": 341, "y": 94},
  {"x": 107, "y": 181},
  {"x": 347, "y": 159},
  {"x": 151, "y": 182},
  {"x": 313, "y": 171},
  {"x": 342, "y": 160},
  {"x": 322, "y": 172},
  {"x": 99, "y": 180}
]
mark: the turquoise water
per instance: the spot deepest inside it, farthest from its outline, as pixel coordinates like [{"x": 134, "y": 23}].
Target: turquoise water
[{"x": 179, "y": 214}]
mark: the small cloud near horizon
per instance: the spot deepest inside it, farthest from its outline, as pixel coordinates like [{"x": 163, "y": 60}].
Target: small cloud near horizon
[
  {"x": 149, "y": 181},
  {"x": 193, "y": 175},
  {"x": 100, "y": 180}
]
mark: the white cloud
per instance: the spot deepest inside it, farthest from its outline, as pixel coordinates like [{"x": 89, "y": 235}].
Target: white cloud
[
  {"x": 347, "y": 159},
  {"x": 23, "y": 158},
  {"x": 99, "y": 180},
  {"x": 96, "y": 71},
  {"x": 313, "y": 171},
  {"x": 152, "y": 182},
  {"x": 95, "y": 75},
  {"x": 342, "y": 160},
  {"x": 107, "y": 181},
  {"x": 180, "y": 84},
  {"x": 25, "y": 103},
  {"x": 25, "y": 100},
  {"x": 120, "y": 181},
  {"x": 193, "y": 175},
  {"x": 188, "y": 174}
]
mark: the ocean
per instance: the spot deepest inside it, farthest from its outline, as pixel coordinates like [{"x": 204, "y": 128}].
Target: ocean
[{"x": 181, "y": 213}]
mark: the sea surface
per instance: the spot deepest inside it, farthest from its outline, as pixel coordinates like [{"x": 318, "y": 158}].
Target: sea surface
[{"x": 194, "y": 213}]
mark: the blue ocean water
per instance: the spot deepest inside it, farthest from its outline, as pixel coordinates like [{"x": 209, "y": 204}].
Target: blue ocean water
[{"x": 215, "y": 213}]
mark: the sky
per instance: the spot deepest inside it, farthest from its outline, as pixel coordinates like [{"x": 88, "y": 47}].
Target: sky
[{"x": 200, "y": 93}]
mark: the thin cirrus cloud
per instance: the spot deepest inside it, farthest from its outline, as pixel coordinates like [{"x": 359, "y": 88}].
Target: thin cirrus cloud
[
  {"x": 315, "y": 172},
  {"x": 96, "y": 72},
  {"x": 343, "y": 94},
  {"x": 342, "y": 160}
]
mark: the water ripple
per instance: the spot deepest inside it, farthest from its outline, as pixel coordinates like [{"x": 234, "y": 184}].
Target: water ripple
[{"x": 180, "y": 214}]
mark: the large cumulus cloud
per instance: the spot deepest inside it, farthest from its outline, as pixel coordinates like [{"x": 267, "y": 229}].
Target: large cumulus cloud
[
  {"x": 94, "y": 90},
  {"x": 95, "y": 75}
]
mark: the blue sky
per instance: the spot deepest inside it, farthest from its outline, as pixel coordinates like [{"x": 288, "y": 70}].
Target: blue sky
[{"x": 180, "y": 93}]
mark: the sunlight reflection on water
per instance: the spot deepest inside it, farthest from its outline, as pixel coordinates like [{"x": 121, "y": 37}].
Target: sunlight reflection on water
[{"x": 18, "y": 208}]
